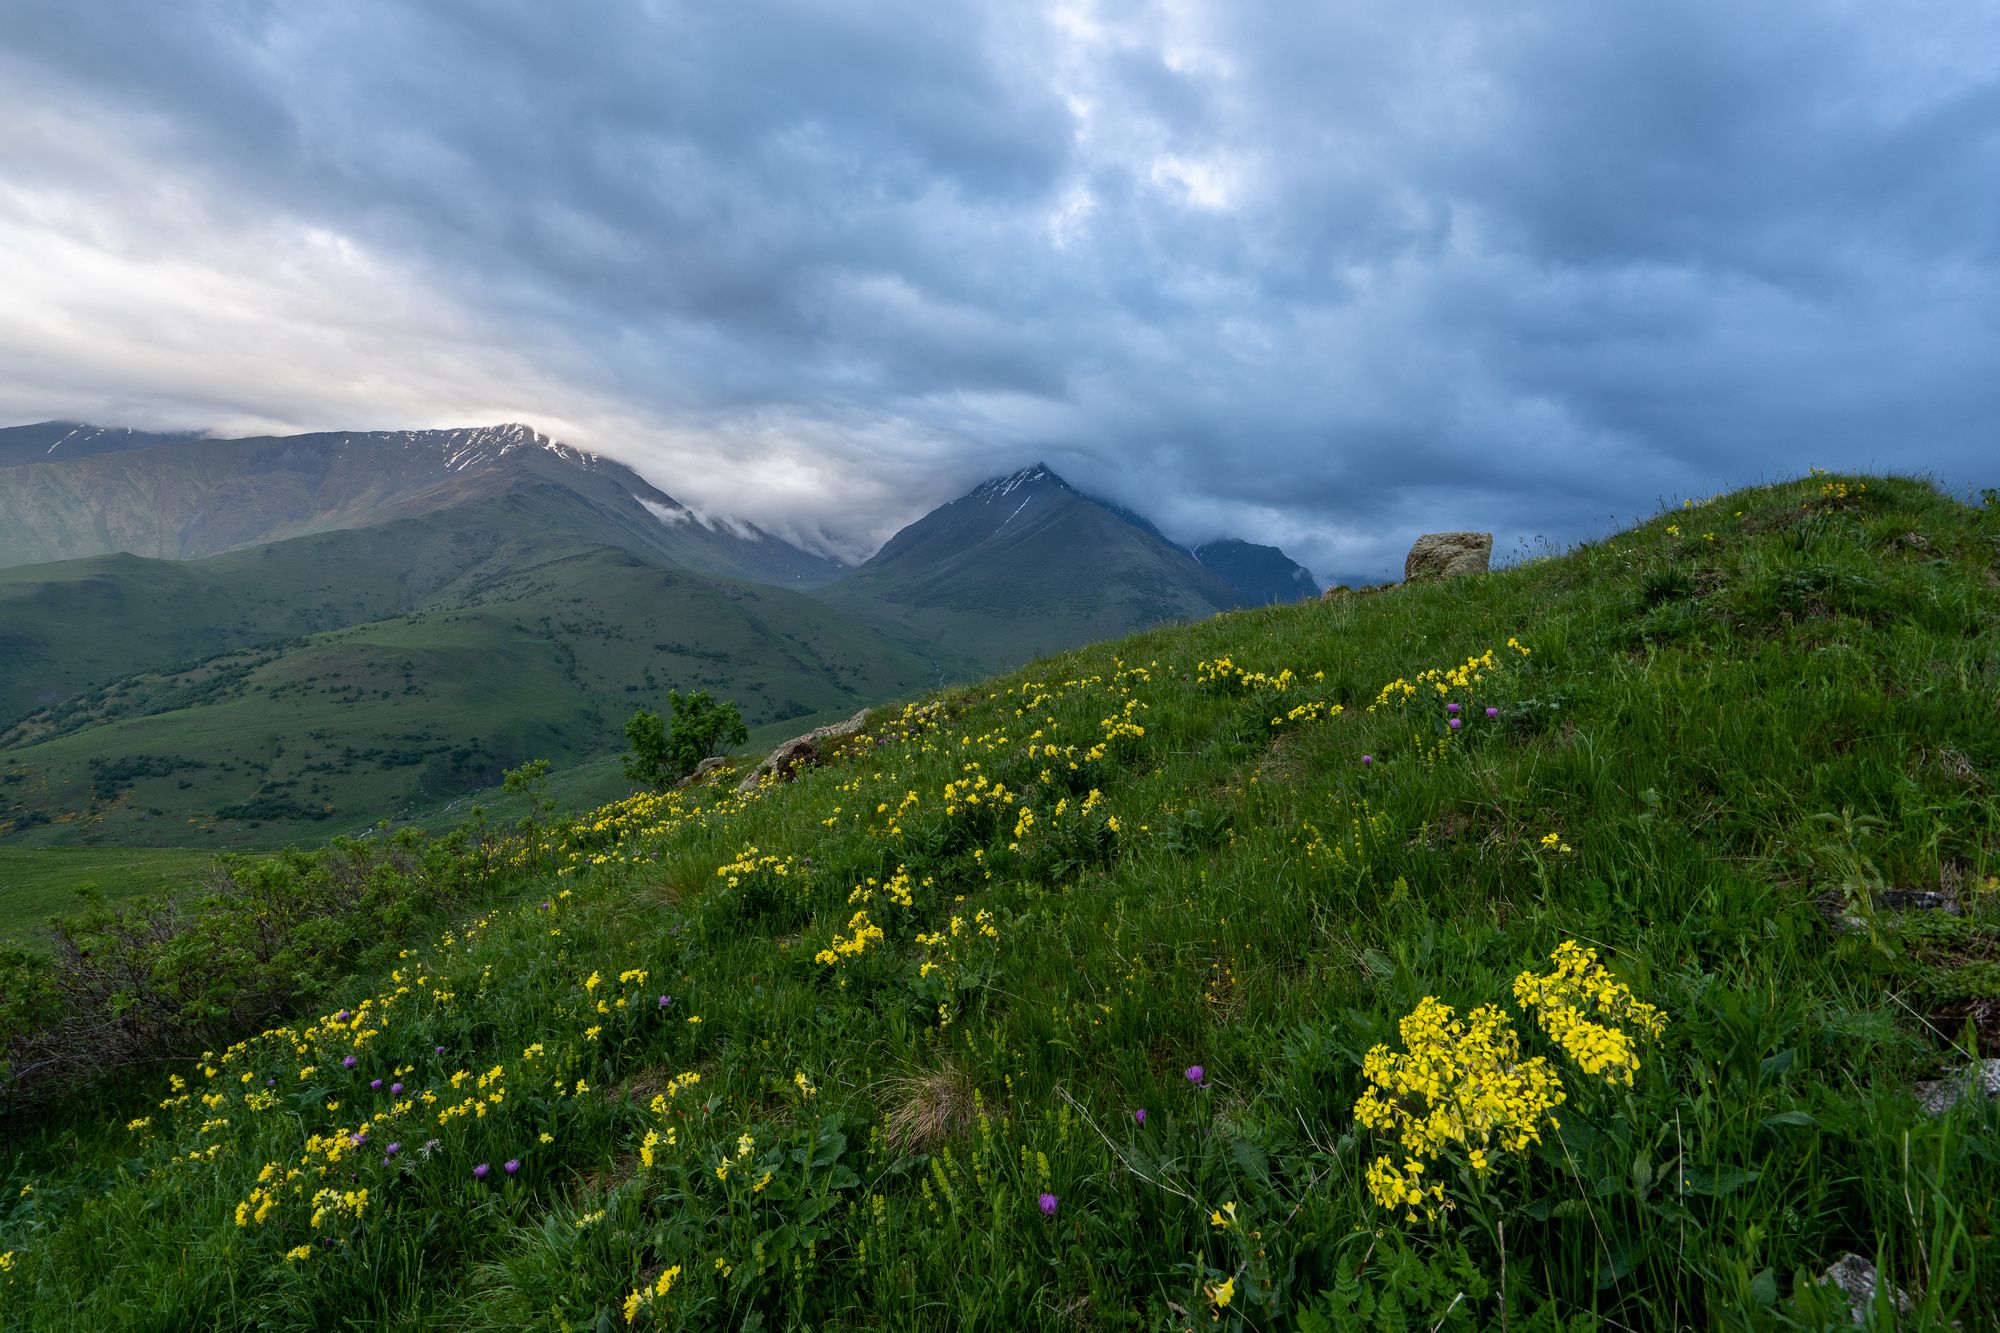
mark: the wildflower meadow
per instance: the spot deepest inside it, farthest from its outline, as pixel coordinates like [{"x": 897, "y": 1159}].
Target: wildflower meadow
[{"x": 1518, "y": 951}]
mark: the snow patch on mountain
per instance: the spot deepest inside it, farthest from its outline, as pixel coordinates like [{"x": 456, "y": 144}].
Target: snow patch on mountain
[{"x": 1001, "y": 487}]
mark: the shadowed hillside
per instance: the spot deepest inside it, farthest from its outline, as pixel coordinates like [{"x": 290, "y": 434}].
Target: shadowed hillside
[{"x": 1024, "y": 566}]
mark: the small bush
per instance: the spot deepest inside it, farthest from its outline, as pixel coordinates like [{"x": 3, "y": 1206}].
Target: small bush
[{"x": 664, "y": 752}]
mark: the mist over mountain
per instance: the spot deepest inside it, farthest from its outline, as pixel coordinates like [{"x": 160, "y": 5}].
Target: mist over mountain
[{"x": 73, "y": 491}]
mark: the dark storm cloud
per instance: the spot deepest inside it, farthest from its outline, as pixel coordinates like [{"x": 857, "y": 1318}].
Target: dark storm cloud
[{"x": 1320, "y": 275}]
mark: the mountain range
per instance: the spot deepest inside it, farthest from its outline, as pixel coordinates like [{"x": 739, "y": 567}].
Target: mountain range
[{"x": 242, "y": 641}]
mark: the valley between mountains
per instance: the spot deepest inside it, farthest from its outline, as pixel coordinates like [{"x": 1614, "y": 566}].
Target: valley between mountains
[{"x": 250, "y": 642}]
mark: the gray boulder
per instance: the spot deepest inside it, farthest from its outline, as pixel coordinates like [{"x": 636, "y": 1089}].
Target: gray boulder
[
  {"x": 801, "y": 751},
  {"x": 702, "y": 771},
  {"x": 1980, "y": 1078},
  {"x": 1858, "y": 1281},
  {"x": 1443, "y": 555}
]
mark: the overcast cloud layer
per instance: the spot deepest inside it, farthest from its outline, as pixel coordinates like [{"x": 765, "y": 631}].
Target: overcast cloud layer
[{"x": 1320, "y": 275}]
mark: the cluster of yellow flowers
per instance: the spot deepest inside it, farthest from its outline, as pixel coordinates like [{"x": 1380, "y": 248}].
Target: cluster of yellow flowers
[
  {"x": 860, "y": 930},
  {"x": 645, "y": 1296},
  {"x": 1463, "y": 1086},
  {"x": 1458, "y": 1084},
  {"x": 974, "y": 791},
  {"x": 899, "y": 889},
  {"x": 949, "y": 951},
  {"x": 1223, "y": 671},
  {"x": 1444, "y": 680},
  {"x": 750, "y": 863},
  {"x": 663, "y": 1103},
  {"x": 1570, "y": 1000},
  {"x": 1313, "y": 710},
  {"x": 327, "y": 1182},
  {"x": 1117, "y": 727}
]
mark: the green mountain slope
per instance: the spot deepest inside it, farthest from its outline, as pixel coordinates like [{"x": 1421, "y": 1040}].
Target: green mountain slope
[
  {"x": 1023, "y": 566},
  {"x": 337, "y": 729},
  {"x": 1261, "y": 575},
  {"x": 1131, "y": 990},
  {"x": 78, "y": 623}
]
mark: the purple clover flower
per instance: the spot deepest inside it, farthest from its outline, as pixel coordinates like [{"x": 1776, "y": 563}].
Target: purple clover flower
[
  {"x": 395, "y": 1089},
  {"x": 1451, "y": 708},
  {"x": 349, "y": 1062},
  {"x": 1197, "y": 1076},
  {"x": 1456, "y": 724},
  {"x": 480, "y": 1172},
  {"x": 440, "y": 1050},
  {"x": 512, "y": 1165},
  {"x": 666, "y": 1000},
  {"x": 1367, "y": 759},
  {"x": 340, "y": 1017},
  {"x": 375, "y": 1085},
  {"x": 1492, "y": 712},
  {"x": 391, "y": 1151},
  {"x": 356, "y": 1140},
  {"x": 1048, "y": 1202},
  {"x": 1140, "y": 1115}
]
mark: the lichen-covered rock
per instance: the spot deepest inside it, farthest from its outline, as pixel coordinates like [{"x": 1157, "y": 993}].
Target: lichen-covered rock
[
  {"x": 1858, "y": 1281},
  {"x": 1837, "y": 907},
  {"x": 801, "y": 751},
  {"x": 1443, "y": 555},
  {"x": 1981, "y": 1078},
  {"x": 702, "y": 771}
]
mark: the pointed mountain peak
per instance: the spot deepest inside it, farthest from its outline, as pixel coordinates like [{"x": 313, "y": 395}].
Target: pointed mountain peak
[{"x": 1031, "y": 477}]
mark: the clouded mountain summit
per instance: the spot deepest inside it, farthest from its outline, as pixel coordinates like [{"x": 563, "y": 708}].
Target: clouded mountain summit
[{"x": 75, "y": 490}]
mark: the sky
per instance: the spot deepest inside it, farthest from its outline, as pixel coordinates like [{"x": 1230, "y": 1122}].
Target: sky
[{"x": 1321, "y": 275}]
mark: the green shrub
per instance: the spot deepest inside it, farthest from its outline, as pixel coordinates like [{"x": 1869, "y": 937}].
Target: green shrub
[{"x": 663, "y": 753}]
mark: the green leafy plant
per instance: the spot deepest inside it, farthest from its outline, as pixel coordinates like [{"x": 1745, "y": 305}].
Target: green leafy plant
[{"x": 665, "y": 750}]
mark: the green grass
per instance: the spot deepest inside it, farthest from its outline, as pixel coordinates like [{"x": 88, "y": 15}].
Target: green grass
[
  {"x": 576, "y": 788},
  {"x": 36, "y": 883},
  {"x": 1722, "y": 733},
  {"x": 396, "y": 717}
]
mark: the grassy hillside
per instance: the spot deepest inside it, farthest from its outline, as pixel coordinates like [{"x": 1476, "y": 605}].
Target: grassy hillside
[
  {"x": 1109, "y": 996},
  {"x": 78, "y": 623},
  {"x": 294, "y": 740},
  {"x": 36, "y": 883},
  {"x": 72, "y": 624}
]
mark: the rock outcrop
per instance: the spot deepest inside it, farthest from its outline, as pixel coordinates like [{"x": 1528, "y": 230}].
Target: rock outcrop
[
  {"x": 801, "y": 751},
  {"x": 1858, "y": 1281},
  {"x": 702, "y": 771},
  {"x": 1980, "y": 1078},
  {"x": 1443, "y": 555}
]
